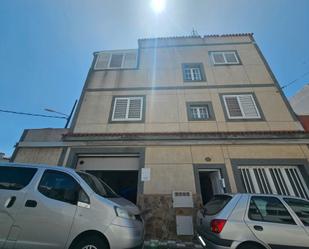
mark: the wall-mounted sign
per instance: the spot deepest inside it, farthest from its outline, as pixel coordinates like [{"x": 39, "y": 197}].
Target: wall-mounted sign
[{"x": 145, "y": 175}]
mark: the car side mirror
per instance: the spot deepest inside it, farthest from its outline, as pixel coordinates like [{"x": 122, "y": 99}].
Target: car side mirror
[
  {"x": 83, "y": 199},
  {"x": 83, "y": 204}
]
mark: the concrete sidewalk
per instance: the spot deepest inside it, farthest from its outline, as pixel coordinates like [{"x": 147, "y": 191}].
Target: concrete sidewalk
[{"x": 151, "y": 244}]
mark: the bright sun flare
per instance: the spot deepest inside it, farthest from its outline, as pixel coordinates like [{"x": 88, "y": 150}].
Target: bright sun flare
[{"x": 158, "y": 5}]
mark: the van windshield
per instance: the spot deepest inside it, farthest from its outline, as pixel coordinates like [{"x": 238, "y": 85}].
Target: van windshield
[{"x": 97, "y": 185}]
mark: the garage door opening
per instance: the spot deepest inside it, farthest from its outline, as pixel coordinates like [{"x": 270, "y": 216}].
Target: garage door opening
[
  {"x": 124, "y": 183},
  {"x": 120, "y": 172}
]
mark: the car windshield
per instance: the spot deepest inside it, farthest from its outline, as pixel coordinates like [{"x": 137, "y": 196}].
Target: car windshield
[
  {"x": 97, "y": 185},
  {"x": 216, "y": 204}
]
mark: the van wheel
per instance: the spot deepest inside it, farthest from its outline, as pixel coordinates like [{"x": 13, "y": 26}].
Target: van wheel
[{"x": 91, "y": 242}]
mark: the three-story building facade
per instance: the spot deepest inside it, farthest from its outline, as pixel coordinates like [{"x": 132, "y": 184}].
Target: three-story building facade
[{"x": 184, "y": 117}]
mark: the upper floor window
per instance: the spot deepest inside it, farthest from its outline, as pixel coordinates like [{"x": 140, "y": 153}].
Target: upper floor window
[
  {"x": 193, "y": 72},
  {"x": 224, "y": 57},
  {"x": 200, "y": 111},
  {"x": 127, "y": 108},
  {"x": 116, "y": 60},
  {"x": 241, "y": 106}
]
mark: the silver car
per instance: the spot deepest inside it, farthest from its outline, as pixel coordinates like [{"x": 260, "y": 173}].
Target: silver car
[
  {"x": 50, "y": 207},
  {"x": 254, "y": 221}
]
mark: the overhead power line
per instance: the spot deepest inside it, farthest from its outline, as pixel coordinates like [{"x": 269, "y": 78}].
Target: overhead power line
[
  {"x": 32, "y": 114},
  {"x": 293, "y": 81}
]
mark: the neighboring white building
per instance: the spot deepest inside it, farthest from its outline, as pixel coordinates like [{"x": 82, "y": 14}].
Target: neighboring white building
[
  {"x": 300, "y": 101},
  {"x": 3, "y": 158}
]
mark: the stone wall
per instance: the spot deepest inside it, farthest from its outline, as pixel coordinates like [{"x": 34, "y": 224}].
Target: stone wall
[{"x": 160, "y": 216}]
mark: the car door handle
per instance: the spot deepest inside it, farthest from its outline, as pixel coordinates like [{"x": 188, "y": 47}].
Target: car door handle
[
  {"x": 31, "y": 203},
  {"x": 258, "y": 228},
  {"x": 10, "y": 202}
]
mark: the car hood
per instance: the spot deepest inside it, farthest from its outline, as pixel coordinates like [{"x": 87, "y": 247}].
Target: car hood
[{"x": 126, "y": 204}]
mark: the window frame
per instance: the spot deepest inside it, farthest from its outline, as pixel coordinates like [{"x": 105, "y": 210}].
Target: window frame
[
  {"x": 191, "y": 66},
  {"x": 209, "y": 106},
  {"x": 113, "y": 106},
  {"x": 111, "y": 53},
  {"x": 266, "y": 221},
  {"x": 242, "y": 118},
  {"x": 65, "y": 174},
  {"x": 34, "y": 172},
  {"x": 225, "y": 63}
]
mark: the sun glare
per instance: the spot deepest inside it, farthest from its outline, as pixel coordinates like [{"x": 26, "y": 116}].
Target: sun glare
[{"x": 158, "y": 5}]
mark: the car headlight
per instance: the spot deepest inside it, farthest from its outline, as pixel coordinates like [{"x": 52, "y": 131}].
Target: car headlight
[{"x": 122, "y": 213}]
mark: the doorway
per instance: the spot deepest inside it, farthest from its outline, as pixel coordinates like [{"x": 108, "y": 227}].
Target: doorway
[{"x": 211, "y": 183}]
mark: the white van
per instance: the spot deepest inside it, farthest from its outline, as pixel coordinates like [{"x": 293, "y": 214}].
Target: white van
[{"x": 52, "y": 207}]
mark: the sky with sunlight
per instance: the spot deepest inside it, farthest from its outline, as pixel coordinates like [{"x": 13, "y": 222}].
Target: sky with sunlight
[{"x": 46, "y": 46}]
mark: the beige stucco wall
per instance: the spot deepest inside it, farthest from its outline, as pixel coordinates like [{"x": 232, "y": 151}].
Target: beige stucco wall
[
  {"x": 166, "y": 108},
  {"x": 48, "y": 156},
  {"x": 166, "y": 112},
  {"x": 172, "y": 166},
  {"x": 163, "y": 67}
]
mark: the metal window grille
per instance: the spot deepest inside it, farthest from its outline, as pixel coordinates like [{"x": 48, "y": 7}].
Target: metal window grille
[
  {"x": 199, "y": 112},
  {"x": 282, "y": 180},
  {"x": 193, "y": 73}
]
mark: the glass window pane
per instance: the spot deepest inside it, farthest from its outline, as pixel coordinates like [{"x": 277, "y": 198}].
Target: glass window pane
[
  {"x": 196, "y": 73},
  {"x": 59, "y": 186},
  {"x": 301, "y": 208},
  {"x": 216, "y": 204},
  {"x": 15, "y": 178},
  {"x": 269, "y": 209},
  {"x": 187, "y": 73}
]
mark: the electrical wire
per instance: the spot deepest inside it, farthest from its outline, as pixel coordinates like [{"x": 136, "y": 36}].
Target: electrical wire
[
  {"x": 293, "y": 81},
  {"x": 32, "y": 114}
]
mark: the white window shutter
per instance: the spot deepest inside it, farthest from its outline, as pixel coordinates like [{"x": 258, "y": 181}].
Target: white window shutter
[
  {"x": 135, "y": 108},
  {"x": 130, "y": 60},
  {"x": 218, "y": 58},
  {"x": 233, "y": 106},
  {"x": 248, "y": 106},
  {"x": 102, "y": 61},
  {"x": 231, "y": 58},
  {"x": 120, "y": 108}
]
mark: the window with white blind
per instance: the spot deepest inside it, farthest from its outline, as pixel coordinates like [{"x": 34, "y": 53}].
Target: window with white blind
[
  {"x": 193, "y": 72},
  {"x": 241, "y": 106},
  {"x": 116, "y": 60},
  {"x": 127, "y": 109},
  {"x": 224, "y": 57}
]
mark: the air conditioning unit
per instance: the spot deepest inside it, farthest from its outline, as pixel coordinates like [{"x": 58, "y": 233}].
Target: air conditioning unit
[{"x": 182, "y": 199}]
